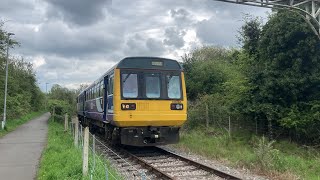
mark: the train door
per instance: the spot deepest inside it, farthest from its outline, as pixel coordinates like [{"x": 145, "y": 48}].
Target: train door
[
  {"x": 110, "y": 95},
  {"x": 101, "y": 95}
]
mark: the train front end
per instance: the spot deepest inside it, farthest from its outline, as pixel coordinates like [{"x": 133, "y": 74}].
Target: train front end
[{"x": 150, "y": 103}]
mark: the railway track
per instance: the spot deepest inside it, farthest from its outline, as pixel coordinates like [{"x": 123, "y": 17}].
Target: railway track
[{"x": 157, "y": 163}]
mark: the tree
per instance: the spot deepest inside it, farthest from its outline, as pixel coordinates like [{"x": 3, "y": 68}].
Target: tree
[
  {"x": 250, "y": 34},
  {"x": 24, "y": 94},
  {"x": 285, "y": 77},
  {"x": 65, "y": 96}
]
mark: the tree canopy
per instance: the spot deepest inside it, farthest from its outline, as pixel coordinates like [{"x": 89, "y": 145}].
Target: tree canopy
[
  {"x": 24, "y": 94},
  {"x": 274, "y": 79}
]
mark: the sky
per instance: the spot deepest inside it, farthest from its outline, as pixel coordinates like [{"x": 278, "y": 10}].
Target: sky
[{"x": 73, "y": 42}]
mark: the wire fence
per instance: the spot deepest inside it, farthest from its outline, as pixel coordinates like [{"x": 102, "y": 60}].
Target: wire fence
[
  {"x": 101, "y": 163},
  {"x": 222, "y": 122}
]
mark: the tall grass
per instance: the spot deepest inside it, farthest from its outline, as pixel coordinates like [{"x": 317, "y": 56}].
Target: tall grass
[
  {"x": 279, "y": 160},
  {"x": 62, "y": 160},
  {"x": 12, "y": 124}
]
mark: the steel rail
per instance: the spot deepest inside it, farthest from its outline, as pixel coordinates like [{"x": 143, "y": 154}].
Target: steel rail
[
  {"x": 136, "y": 156},
  {"x": 200, "y": 165}
]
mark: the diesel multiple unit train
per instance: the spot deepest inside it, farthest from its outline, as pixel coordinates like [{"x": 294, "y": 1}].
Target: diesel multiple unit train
[{"x": 141, "y": 101}]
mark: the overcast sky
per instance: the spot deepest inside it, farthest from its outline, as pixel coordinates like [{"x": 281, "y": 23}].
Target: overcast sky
[{"x": 74, "y": 41}]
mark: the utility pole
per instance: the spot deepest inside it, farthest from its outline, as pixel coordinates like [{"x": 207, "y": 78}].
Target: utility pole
[
  {"x": 46, "y": 99},
  {"x": 3, "y": 124}
]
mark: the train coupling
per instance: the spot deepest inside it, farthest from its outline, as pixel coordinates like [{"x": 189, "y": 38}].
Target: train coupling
[{"x": 149, "y": 136}]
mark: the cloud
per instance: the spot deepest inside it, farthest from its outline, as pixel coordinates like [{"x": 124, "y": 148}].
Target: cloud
[
  {"x": 218, "y": 31},
  {"x": 138, "y": 45},
  {"x": 78, "y": 12},
  {"x": 75, "y": 41},
  {"x": 182, "y": 17},
  {"x": 174, "y": 37},
  {"x": 56, "y": 38}
]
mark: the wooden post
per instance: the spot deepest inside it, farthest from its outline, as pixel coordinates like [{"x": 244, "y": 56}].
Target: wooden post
[
  {"x": 229, "y": 126},
  {"x": 207, "y": 116},
  {"x": 76, "y": 132},
  {"x": 94, "y": 150},
  {"x": 53, "y": 113},
  {"x": 66, "y": 122},
  {"x": 256, "y": 124},
  {"x": 85, "y": 152}
]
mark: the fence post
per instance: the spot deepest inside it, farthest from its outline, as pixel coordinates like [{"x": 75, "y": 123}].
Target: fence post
[
  {"x": 53, "y": 113},
  {"x": 207, "y": 116},
  {"x": 255, "y": 118},
  {"x": 94, "y": 151},
  {"x": 229, "y": 126},
  {"x": 85, "y": 152},
  {"x": 76, "y": 132},
  {"x": 107, "y": 173},
  {"x": 66, "y": 122}
]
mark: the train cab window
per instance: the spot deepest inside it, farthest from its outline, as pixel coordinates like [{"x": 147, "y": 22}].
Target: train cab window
[
  {"x": 173, "y": 86},
  {"x": 129, "y": 85},
  {"x": 152, "y": 83}
]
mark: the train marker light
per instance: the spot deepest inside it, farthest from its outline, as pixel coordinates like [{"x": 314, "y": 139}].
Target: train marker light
[
  {"x": 128, "y": 106},
  {"x": 176, "y": 106}
]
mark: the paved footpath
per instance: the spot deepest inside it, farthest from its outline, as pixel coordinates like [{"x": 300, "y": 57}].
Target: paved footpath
[{"x": 20, "y": 150}]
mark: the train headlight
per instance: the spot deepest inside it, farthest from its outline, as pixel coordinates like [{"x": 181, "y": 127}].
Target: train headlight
[
  {"x": 176, "y": 106},
  {"x": 128, "y": 106}
]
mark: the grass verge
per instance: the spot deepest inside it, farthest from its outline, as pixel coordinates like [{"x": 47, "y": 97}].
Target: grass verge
[
  {"x": 62, "y": 160},
  {"x": 11, "y": 125},
  {"x": 276, "y": 160}
]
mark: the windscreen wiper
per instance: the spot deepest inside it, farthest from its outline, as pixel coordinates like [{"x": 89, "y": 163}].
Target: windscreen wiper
[{"x": 125, "y": 79}]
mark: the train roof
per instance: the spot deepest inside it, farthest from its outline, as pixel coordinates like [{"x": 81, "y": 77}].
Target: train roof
[{"x": 141, "y": 63}]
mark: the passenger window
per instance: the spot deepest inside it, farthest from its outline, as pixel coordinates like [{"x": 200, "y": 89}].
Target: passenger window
[
  {"x": 97, "y": 91},
  {"x": 111, "y": 85},
  {"x": 101, "y": 89}
]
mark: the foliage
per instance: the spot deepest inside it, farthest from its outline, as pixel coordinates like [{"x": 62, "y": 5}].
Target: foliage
[
  {"x": 283, "y": 160},
  {"x": 250, "y": 34},
  {"x": 285, "y": 79},
  {"x": 4, "y": 40},
  {"x": 61, "y": 160},
  {"x": 263, "y": 151},
  {"x": 24, "y": 95},
  {"x": 62, "y": 99},
  {"x": 213, "y": 79}
]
